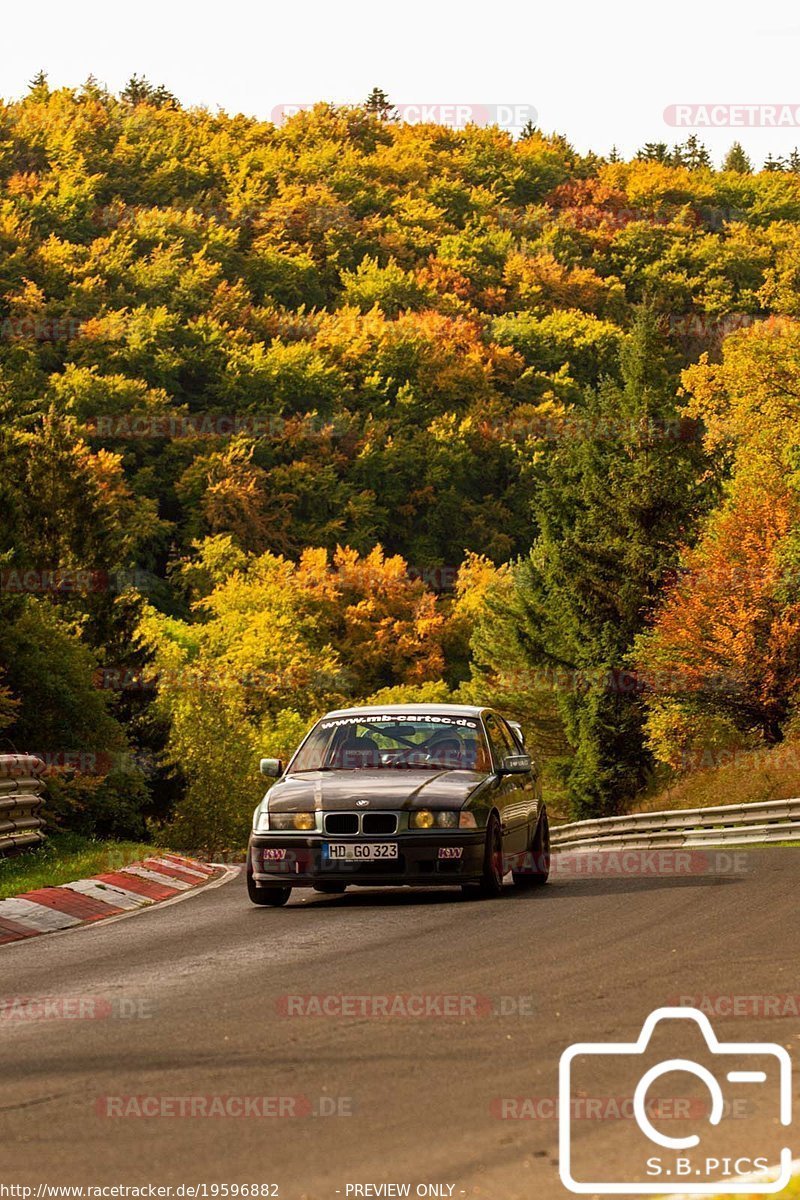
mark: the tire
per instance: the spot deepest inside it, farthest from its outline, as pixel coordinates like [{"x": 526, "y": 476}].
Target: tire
[
  {"x": 269, "y": 894},
  {"x": 491, "y": 883},
  {"x": 330, "y": 889},
  {"x": 540, "y": 853}
]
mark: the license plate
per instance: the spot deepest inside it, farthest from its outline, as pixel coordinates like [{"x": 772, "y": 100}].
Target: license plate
[{"x": 360, "y": 851}]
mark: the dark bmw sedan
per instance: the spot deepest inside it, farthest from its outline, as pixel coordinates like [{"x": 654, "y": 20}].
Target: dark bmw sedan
[{"x": 406, "y": 795}]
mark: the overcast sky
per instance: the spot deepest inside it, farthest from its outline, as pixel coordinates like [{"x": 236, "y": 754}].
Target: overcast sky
[{"x": 600, "y": 73}]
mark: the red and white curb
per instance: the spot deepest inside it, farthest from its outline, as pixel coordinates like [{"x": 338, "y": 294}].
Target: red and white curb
[{"x": 50, "y": 909}]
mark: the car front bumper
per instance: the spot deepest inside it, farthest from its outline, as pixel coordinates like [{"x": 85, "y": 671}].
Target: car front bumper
[{"x": 424, "y": 860}]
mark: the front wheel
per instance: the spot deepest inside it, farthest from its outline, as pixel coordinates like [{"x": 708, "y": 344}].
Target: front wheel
[
  {"x": 491, "y": 882},
  {"x": 537, "y": 868},
  {"x": 273, "y": 895}
]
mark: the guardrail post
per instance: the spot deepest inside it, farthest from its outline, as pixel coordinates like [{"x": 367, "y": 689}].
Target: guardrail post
[{"x": 21, "y": 800}]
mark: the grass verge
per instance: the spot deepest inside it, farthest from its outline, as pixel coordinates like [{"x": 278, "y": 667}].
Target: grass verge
[
  {"x": 63, "y": 858},
  {"x": 749, "y": 777}
]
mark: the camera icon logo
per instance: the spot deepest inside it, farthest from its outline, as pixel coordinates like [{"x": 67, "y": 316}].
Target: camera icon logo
[{"x": 680, "y": 1164}]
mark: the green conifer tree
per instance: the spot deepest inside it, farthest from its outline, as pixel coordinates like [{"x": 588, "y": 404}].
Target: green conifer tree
[{"x": 612, "y": 510}]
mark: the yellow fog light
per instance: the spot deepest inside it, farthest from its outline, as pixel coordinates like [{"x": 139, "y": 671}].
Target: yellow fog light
[
  {"x": 422, "y": 819},
  {"x": 304, "y": 821}
]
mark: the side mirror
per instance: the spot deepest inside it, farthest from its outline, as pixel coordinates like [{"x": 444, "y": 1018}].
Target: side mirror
[
  {"x": 272, "y": 767},
  {"x": 515, "y": 764}
]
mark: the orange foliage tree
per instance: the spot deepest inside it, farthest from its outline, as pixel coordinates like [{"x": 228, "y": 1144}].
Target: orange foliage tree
[
  {"x": 384, "y": 622},
  {"x": 725, "y": 643},
  {"x": 727, "y": 638}
]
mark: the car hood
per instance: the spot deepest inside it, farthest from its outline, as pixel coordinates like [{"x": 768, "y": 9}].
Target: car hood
[{"x": 389, "y": 788}]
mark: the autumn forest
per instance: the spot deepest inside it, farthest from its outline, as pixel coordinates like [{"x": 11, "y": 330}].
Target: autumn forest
[{"x": 296, "y": 416}]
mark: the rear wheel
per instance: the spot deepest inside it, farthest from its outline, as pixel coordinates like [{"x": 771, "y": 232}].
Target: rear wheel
[
  {"x": 537, "y": 869},
  {"x": 491, "y": 883},
  {"x": 270, "y": 894}
]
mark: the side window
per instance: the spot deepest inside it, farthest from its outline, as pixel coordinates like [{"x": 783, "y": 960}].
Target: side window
[
  {"x": 513, "y": 742},
  {"x": 500, "y": 739}
]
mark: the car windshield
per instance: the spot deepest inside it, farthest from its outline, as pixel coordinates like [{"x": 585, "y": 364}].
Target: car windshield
[{"x": 394, "y": 742}]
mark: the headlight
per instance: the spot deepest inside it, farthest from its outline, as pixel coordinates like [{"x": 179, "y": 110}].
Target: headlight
[
  {"x": 466, "y": 820},
  {"x": 281, "y": 821},
  {"x": 425, "y": 819},
  {"x": 262, "y": 820},
  {"x": 447, "y": 820},
  {"x": 301, "y": 820}
]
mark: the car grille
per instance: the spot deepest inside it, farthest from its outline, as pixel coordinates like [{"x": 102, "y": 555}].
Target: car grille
[
  {"x": 368, "y": 823},
  {"x": 379, "y": 822},
  {"x": 341, "y": 823}
]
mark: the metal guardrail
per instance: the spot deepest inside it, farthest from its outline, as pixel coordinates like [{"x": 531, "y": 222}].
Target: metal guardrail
[
  {"x": 730, "y": 824},
  {"x": 21, "y": 800}
]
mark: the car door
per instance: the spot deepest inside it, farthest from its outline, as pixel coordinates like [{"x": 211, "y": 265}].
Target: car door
[
  {"x": 528, "y": 784},
  {"x": 509, "y": 794}
]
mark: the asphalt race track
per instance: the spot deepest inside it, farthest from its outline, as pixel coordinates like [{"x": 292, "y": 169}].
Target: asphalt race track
[{"x": 188, "y": 1002}]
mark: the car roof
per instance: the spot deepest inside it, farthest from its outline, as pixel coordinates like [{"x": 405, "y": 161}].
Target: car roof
[{"x": 458, "y": 710}]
